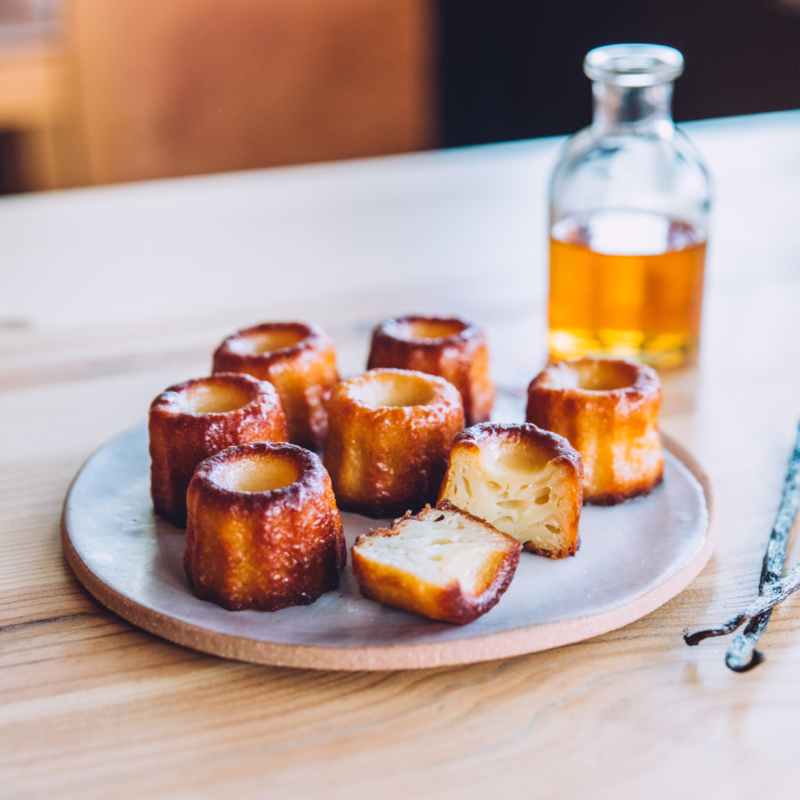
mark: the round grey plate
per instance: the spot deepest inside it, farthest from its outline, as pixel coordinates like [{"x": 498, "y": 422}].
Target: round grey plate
[{"x": 633, "y": 558}]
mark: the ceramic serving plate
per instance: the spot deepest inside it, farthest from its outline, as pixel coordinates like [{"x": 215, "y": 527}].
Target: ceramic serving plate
[{"x": 633, "y": 558}]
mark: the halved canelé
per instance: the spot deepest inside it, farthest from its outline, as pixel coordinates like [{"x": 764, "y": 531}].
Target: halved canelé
[
  {"x": 608, "y": 409},
  {"x": 442, "y": 563},
  {"x": 450, "y": 347},
  {"x": 390, "y": 434},
  {"x": 522, "y": 480},
  {"x": 194, "y": 420},
  {"x": 264, "y": 531},
  {"x": 299, "y": 359}
]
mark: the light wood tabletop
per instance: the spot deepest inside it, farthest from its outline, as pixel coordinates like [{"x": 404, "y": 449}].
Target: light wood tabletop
[{"x": 107, "y": 296}]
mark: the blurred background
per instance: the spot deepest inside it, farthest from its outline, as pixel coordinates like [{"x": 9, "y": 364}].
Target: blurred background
[{"x": 104, "y": 91}]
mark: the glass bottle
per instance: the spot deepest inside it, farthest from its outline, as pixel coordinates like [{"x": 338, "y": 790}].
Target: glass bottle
[{"x": 629, "y": 203}]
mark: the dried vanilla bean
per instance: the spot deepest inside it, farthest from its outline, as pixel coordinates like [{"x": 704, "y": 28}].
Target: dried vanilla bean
[
  {"x": 742, "y": 654},
  {"x": 771, "y": 589}
]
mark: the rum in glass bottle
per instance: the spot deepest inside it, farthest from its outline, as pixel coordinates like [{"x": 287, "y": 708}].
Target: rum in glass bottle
[{"x": 628, "y": 219}]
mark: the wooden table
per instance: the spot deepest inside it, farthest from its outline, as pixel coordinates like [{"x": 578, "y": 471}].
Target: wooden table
[{"x": 108, "y": 296}]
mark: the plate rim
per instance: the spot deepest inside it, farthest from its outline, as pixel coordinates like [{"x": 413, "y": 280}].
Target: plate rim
[{"x": 486, "y": 647}]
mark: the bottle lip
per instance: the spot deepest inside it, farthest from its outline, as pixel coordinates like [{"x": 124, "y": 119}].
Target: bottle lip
[{"x": 633, "y": 64}]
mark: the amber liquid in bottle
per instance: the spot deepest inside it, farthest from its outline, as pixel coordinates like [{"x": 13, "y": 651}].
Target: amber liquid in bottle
[{"x": 626, "y": 283}]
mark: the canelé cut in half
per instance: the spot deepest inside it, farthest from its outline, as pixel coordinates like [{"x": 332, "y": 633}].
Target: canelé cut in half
[
  {"x": 608, "y": 409},
  {"x": 389, "y": 438},
  {"x": 442, "y": 563},
  {"x": 450, "y": 347},
  {"x": 524, "y": 481},
  {"x": 194, "y": 420},
  {"x": 263, "y": 531},
  {"x": 299, "y": 360}
]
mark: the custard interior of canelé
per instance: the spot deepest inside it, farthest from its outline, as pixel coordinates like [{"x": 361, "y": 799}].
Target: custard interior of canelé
[
  {"x": 442, "y": 547},
  {"x": 262, "y": 472},
  {"x": 393, "y": 391},
  {"x": 428, "y": 328},
  {"x": 514, "y": 487},
  {"x": 594, "y": 375},
  {"x": 259, "y": 342},
  {"x": 215, "y": 398}
]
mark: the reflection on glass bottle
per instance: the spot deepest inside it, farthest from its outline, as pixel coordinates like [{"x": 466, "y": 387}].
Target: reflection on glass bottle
[{"x": 629, "y": 204}]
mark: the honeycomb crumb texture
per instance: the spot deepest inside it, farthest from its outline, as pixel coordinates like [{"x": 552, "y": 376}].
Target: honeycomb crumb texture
[
  {"x": 438, "y": 550},
  {"x": 522, "y": 502}
]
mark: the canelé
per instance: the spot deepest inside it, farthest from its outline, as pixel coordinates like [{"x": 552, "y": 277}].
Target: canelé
[
  {"x": 608, "y": 409},
  {"x": 450, "y": 347},
  {"x": 299, "y": 360},
  {"x": 389, "y": 438},
  {"x": 522, "y": 480},
  {"x": 193, "y": 420},
  {"x": 263, "y": 531},
  {"x": 442, "y": 563}
]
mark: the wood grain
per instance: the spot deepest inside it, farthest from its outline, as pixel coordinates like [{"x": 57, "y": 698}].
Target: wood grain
[{"x": 91, "y": 707}]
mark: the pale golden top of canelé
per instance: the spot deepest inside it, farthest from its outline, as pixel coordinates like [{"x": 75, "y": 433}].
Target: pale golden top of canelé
[
  {"x": 596, "y": 376},
  {"x": 262, "y": 468},
  {"x": 272, "y": 341},
  {"x": 428, "y": 330},
  {"x": 222, "y": 393},
  {"x": 389, "y": 389},
  {"x": 257, "y": 472},
  {"x": 267, "y": 341}
]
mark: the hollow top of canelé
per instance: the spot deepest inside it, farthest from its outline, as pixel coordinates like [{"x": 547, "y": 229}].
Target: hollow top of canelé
[
  {"x": 426, "y": 330},
  {"x": 257, "y": 341},
  {"x": 258, "y": 472},
  {"x": 260, "y": 468},
  {"x": 273, "y": 339},
  {"x": 393, "y": 388},
  {"x": 215, "y": 394},
  {"x": 216, "y": 399},
  {"x": 598, "y": 375}
]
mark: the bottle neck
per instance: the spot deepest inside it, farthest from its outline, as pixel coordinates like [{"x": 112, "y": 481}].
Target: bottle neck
[{"x": 633, "y": 109}]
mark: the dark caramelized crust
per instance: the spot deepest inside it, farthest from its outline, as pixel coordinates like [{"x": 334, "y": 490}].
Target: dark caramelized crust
[
  {"x": 450, "y": 347},
  {"x": 196, "y": 419},
  {"x": 390, "y": 435},
  {"x": 299, "y": 360},
  {"x": 525, "y": 481},
  {"x": 608, "y": 409},
  {"x": 486, "y": 562},
  {"x": 263, "y": 531}
]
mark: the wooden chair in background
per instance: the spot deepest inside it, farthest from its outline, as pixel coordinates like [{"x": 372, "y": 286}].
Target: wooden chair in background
[{"x": 161, "y": 88}]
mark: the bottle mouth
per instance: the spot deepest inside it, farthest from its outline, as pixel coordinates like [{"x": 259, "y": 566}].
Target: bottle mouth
[{"x": 633, "y": 64}]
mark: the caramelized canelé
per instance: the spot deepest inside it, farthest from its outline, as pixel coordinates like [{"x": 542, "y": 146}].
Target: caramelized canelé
[
  {"x": 608, "y": 409},
  {"x": 390, "y": 434},
  {"x": 442, "y": 563},
  {"x": 524, "y": 481},
  {"x": 194, "y": 420},
  {"x": 450, "y": 347},
  {"x": 299, "y": 360},
  {"x": 263, "y": 531}
]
